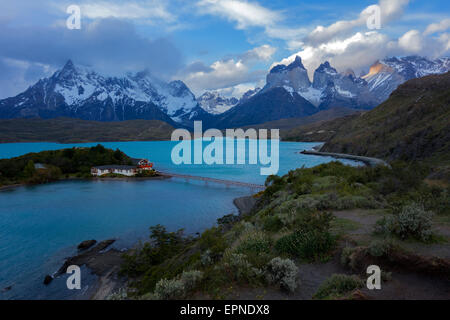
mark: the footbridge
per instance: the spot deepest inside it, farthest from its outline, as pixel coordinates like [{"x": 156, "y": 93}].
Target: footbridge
[{"x": 214, "y": 180}]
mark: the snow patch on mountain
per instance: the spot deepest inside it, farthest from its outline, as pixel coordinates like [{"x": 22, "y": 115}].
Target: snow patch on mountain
[
  {"x": 312, "y": 95},
  {"x": 213, "y": 102}
]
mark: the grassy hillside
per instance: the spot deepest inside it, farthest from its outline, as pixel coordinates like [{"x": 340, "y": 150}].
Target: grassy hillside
[
  {"x": 413, "y": 124},
  {"x": 67, "y": 130},
  {"x": 286, "y": 124},
  {"x": 322, "y": 130}
]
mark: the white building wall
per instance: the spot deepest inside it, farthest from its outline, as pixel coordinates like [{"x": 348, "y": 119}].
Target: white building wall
[{"x": 128, "y": 173}]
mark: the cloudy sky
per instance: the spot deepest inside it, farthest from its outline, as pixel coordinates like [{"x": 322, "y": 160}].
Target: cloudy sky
[{"x": 226, "y": 45}]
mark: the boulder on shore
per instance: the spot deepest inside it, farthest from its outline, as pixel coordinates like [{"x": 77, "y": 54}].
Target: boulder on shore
[
  {"x": 48, "y": 279},
  {"x": 86, "y": 244}
]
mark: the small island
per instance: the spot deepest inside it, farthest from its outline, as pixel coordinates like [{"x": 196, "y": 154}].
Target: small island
[{"x": 72, "y": 163}]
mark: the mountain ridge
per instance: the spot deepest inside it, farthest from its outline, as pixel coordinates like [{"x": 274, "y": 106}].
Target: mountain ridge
[{"x": 78, "y": 92}]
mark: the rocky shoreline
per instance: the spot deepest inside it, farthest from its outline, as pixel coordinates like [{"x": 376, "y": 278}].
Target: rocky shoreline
[
  {"x": 105, "y": 262},
  {"x": 245, "y": 204}
]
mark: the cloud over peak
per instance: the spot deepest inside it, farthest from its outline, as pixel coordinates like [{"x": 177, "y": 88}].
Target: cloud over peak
[
  {"x": 227, "y": 73},
  {"x": 389, "y": 10},
  {"x": 243, "y": 13}
]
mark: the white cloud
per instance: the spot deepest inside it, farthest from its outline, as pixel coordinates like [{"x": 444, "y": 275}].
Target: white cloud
[
  {"x": 390, "y": 9},
  {"x": 262, "y": 53},
  {"x": 344, "y": 47},
  {"x": 16, "y": 75},
  {"x": 238, "y": 90},
  {"x": 362, "y": 49},
  {"x": 244, "y": 13},
  {"x": 227, "y": 73},
  {"x": 412, "y": 41},
  {"x": 356, "y": 52},
  {"x": 146, "y": 10},
  {"x": 438, "y": 27},
  {"x": 248, "y": 14}
]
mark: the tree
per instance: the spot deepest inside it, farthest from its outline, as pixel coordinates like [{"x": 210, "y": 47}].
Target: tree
[{"x": 29, "y": 169}]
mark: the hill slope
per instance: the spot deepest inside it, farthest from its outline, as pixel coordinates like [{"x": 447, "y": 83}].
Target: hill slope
[
  {"x": 66, "y": 130},
  {"x": 274, "y": 104},
  {"x": 413, "y": 124}
]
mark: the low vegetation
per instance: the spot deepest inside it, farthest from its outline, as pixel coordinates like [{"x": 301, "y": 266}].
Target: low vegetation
[
  {"x": 291, "y": 224},
  {"x": 411, "y": 221},
  {"x": 337, "y": 286}
]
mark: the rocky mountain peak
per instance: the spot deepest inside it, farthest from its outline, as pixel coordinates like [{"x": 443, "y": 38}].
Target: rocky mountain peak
[
  {"x": 69, "y": 65},
  {"x": 213, "y": 102},
  {"x": 293, "y": 77},
  {"x": 250, "y": 93},
  {"x": 296, "y": 64},
  {"x": 323, "y": 75},
  {"x": 326, "y": 68},
  {"x": 349, "y": 73}
]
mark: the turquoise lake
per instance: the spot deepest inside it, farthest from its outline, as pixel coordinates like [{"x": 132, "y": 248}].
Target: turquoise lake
[{"x": 41, "y": 225}]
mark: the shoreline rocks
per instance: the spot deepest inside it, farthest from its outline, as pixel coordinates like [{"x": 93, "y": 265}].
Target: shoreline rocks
[
  {"x": 245, "y": 204},
  {"x": 86, "y": 244},
  {"x": 48, "y": 279},
  {"x": 93, "y": 258}
]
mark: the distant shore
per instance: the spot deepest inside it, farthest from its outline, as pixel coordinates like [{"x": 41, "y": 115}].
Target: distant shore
[{"x": 371, "y": 162}]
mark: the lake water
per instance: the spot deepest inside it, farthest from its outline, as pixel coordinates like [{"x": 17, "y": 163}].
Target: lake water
[{"x": 41, "y": 225}]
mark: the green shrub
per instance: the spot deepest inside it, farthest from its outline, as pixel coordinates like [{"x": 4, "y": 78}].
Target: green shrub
[
  {"x": 282, "y": 272},
  {"x": 177, "y": 288},
  {"x": 238, "y": 268},
  {"x": 380, "y": 248},
  {"x": 315, "y": 220},
  {"x": 162, "y": 246},
  {"x": 169, "y": 289},
  {"x": 213, "y": 240},
  {"x": 351, "y": 202},
  {"x": 337, "y": 285},
  {"x": 308, "y": 245},
  {"x": 414, "y": 221},
  {"x": 411, "y": 221},
  {"x": 253, "y": 242},
  {"x": 206, "y": 258},
  {"x": 121, "y": 294},
  {"x": 345, "y": 255},
  {"x": 191, "y": 279},
  {"x": 386, "y": 225},
  {"x": 146, "y": 173},
  {"x": 272, "y": 224}
]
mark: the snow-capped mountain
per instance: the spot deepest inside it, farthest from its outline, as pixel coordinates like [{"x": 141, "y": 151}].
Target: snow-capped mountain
[
  {"x": 328, "y": 89},
  {"x": 292, "y": 77},
  {"x": 333, "y": 89},
  {"x": 386, "y": 75},
  {"x": 79, "y": 92},
  {"x": 250, "y": 93},
  {"x": 213, "y": 102},
  {"x": 289, "y": 93}
]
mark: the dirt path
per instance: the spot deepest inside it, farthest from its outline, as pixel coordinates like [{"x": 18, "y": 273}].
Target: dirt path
[{"x": 366, "y": 219}]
